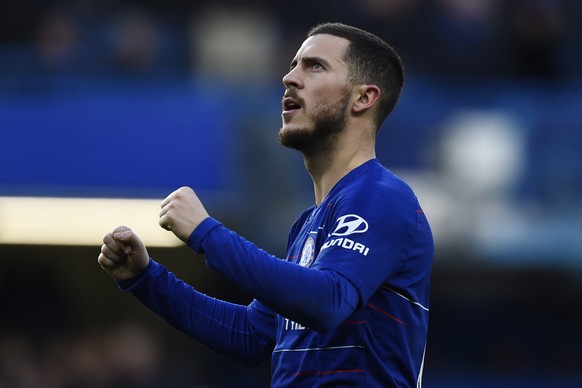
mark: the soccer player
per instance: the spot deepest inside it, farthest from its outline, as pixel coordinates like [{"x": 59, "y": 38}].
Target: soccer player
[{"x": 349, "y": 304}]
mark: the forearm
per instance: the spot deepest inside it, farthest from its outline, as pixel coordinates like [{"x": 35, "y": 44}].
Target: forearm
[
  {"x": 320, "y": 300},
  {"x": 223, "y": 327}
]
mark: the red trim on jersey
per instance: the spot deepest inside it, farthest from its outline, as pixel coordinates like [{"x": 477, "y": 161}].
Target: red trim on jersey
[
  {"x": 385, "y": 313},
  {"x": 327, "y": 372}
]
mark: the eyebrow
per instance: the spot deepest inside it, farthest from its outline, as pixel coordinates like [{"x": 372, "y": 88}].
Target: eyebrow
[{"x": 309, "y": 61}]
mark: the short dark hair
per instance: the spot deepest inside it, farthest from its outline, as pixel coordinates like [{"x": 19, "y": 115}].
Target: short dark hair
[{"x": 370, "y": 61}]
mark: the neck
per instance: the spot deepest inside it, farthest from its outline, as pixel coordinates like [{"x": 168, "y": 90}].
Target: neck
[{"x": 329, "y": 166}]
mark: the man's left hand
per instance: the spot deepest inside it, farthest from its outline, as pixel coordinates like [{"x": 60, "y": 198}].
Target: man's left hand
[{"x": 182, "y": 212}]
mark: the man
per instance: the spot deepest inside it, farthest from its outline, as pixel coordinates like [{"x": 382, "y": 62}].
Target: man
[{"x": 349, "y": 304}]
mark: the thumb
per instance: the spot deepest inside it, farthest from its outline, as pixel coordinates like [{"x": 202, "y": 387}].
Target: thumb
[
  {"x": 122, "y": 234},
  {"x": 129, "y": 241},
  {"x": 126, "y": 237}
]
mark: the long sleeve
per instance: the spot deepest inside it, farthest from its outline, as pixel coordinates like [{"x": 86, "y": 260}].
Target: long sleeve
[
  {"x": 242, "y": 333},
  {"x": 320, "y": 300}
]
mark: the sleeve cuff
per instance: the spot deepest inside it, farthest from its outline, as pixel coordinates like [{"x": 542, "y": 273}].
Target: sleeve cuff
[
  {"x": 199, "y": 234},
  {"x": 128, "y": 284}
]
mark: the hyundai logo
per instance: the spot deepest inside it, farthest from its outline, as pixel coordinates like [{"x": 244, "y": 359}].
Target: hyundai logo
[{"x": 350, "y": 224}]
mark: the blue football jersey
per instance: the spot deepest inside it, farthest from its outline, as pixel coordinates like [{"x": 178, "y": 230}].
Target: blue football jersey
[{"x": 371, "y": 230}]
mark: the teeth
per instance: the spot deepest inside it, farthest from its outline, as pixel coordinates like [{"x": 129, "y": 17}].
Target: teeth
[{"x": 290, "y": 104}]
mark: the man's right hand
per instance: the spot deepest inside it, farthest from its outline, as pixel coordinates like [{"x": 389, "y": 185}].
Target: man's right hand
[{"x": 123, "y": 254}]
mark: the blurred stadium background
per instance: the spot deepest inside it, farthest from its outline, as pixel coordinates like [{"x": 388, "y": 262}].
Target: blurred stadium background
[{"x": 128, "y": 100}]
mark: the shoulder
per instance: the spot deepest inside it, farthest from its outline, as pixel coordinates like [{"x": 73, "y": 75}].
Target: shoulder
[
  {"x": 377, "y": 198},
  {"x": 375, "y": 185}
]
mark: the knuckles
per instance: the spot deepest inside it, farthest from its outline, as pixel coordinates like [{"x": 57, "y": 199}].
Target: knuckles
[
  {"x": 108, "y": 238},
  {"x": 183, "y": 192}
]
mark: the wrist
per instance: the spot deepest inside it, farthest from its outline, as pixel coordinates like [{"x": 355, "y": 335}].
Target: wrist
[
  {"x": 196, "y": 239},
  {"x": 127, "y": 283}
]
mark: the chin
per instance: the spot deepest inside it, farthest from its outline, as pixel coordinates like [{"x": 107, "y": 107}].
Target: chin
[{"x": 291, "y": 137}]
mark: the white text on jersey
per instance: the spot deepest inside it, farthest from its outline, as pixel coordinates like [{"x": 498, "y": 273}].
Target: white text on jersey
[
  {"x": 346, "y": 243},
  {"x": 290, "y": 325}
]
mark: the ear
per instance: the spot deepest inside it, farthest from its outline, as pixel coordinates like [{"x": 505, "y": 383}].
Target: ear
[{"x": 367, "y": 96}]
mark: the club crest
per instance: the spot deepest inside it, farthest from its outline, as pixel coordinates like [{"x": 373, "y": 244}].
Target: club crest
[{"x": 308, "y": 253}]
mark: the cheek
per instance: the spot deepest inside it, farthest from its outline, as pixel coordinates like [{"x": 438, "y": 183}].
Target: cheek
[
  {"x": 325, "y": 96},
  {"x": 325, "y": 102}
]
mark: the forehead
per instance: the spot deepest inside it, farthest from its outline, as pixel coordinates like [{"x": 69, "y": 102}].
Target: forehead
[{"x": 325, "y": 46}]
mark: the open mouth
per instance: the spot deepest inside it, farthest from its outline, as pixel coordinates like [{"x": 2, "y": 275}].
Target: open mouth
[{"x": 290, "y": 104}]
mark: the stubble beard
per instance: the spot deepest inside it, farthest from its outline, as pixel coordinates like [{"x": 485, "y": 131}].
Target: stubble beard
[{"x": 328, "y": 123}]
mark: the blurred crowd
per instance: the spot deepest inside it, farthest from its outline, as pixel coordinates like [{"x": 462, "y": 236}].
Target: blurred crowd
[
  {"x": 459, "y": 38},
  {"x": 126, "y": 355},
  {"x": 499, "y": 161}
]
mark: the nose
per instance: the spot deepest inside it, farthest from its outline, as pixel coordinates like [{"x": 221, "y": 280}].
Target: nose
[{"x": 291, "y": 79}]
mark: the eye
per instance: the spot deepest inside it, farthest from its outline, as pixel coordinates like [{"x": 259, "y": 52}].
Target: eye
[{"x": 316, "y": 66}]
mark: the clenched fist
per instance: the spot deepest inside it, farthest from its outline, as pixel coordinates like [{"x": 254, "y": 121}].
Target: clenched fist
[
  {"x": 182, "y": 212},
  {"x": 123, "y": 254}
]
